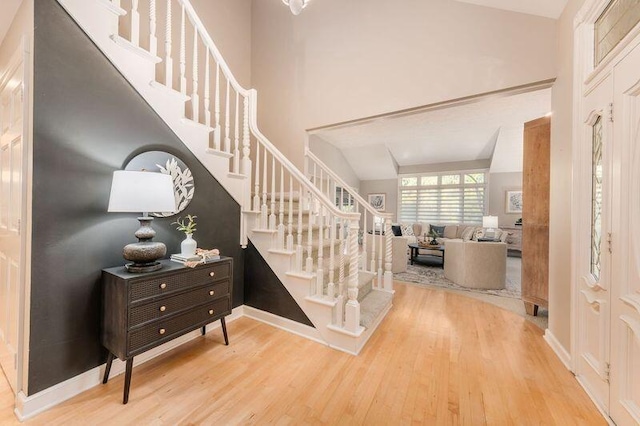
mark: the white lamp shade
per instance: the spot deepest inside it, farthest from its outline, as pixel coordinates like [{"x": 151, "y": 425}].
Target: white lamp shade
[
  {"x": 141, "y": 192},
  {"x": 490, "y": 222},
  {"x": 296, "y": 6}
]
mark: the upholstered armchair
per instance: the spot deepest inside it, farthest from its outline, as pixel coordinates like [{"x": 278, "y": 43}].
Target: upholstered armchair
[{"x": 476, "y": 264}]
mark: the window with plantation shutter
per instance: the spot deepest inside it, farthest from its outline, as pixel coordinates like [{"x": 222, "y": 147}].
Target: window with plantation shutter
[{"x": 452, "y": 197}]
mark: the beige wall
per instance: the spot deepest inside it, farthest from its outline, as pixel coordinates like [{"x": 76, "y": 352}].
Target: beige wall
[
  {"x": 498, "y": 184},
  {"x": 342, "y": 60},
  {"x": 561, "y": 166},
  {"x": 333, "y": 158},
  {"x": 229, "y": 24},
  {"x": 386, "y": 186},
  {"x": 21, "y": 26}
]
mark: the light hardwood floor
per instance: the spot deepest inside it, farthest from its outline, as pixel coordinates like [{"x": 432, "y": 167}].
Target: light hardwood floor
[{"x": 438, "y": 358}]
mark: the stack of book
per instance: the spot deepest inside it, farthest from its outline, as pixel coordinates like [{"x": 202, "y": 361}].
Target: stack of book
[{"x": 195, "y": 258}]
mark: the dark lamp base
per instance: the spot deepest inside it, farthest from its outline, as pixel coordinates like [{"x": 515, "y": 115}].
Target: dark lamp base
[{"x": 137, "y": 268}]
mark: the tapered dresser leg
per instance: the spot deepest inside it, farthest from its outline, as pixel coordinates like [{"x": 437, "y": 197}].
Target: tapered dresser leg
[
  {"x": 127, "y": 380},
  {"x": 224, "y": 331},
  {"x": 108, "y": 368},
  {"x": 204, "y": 330}
]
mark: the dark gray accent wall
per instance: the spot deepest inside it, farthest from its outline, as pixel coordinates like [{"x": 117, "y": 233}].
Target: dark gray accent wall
[
  {"x": 88, "y": 122},
  {"x": 263, "y": 290}
]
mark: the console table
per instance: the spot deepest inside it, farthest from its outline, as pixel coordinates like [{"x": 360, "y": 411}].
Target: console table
[{"x": 142, "y": 311}]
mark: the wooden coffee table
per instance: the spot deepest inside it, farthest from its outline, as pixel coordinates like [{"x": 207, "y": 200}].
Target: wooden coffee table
[{"x": 415, "y": 250}]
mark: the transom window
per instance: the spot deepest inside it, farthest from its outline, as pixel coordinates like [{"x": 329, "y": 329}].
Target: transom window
[{"x": 451, "y": 197}]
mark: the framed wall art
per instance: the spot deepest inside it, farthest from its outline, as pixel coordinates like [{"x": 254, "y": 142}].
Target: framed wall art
[
  {"x": 513, "y": 202},
  {"x": 378, "y": 201}
]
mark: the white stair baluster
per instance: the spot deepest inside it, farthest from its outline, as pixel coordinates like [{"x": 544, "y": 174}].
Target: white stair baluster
[
  {"x": 272, "y": 215},
  {"x": 135, "y": 23},
  {"x": 320, "y": 269},
  {"x": 281, "y": 211},
  {"x": 183, "y": 54},
  {"x": 382, "y": 246},
  {"x": 168, "y": 70},
  {"x": 364, "y": 240},
  {"x": 256, "y": 192},
  {"x": 309, "y": 265},
  {"x": 245, "y": 167},
  {"x": 207, "y": 88},
  {"x": 263, "y": 208},
  {"x": 153, "y": 40},
  {"x": 373, "y": 244},
  {"x": 340, "y": 299},
  {"x": 195, "y": 97},
  {"x": 299, "y": 252},
  {"x": 388, "y": 274},
  {"x": 331, "y": 291},
  {"x": 227, "y": 115},
  {"x": 236, "y": 137},
  {"x": 352, "y": 308},
  {"x": 290, "y": 221},
  {"x": 216, "y": 107}
]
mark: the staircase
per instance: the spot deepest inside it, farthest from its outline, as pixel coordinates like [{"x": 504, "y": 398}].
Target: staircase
[{"x": 309, "y": 240}]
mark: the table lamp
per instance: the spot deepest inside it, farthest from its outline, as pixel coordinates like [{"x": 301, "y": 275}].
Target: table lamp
[
  {"x": 142, "y": 192},
  {"x": 490, "y": 223}
]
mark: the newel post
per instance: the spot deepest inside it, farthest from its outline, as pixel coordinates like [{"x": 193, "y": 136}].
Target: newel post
[
  {"x": 352, "y": 308},
  {"x": 388, "y": 274}
]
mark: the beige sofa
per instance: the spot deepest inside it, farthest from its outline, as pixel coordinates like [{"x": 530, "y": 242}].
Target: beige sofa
[
  {"x": 476, "y": 264},
  {"x": 398, "y": 251}
]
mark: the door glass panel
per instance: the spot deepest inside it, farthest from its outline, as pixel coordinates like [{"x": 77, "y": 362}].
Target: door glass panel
[
  {"x": 596, "y": 198},
  {"x": 613, "y": 25}
]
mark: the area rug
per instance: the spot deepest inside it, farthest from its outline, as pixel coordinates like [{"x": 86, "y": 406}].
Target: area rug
[{"x": 434, "y": 276}]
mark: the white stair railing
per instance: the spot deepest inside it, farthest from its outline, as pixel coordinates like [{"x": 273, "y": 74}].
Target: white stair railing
[
  {"x": 379, "y": 226},
  {"x": 233, "y": 130}
]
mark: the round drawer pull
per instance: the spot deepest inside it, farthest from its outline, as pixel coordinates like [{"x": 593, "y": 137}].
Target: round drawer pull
[
  {"x": 210, "y": 311},
  {"x": 211, "y": 273},
  {"x": 162, "y": 331},
  {"x": 163, "y": 308},
  {"x": 163, "y": 286},
  {"x": 211, "y": 292}
]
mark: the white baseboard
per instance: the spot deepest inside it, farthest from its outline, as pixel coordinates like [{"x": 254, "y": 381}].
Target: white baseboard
[
  {"x": 559, "y": 350},
  {"x": 29, "y": 406},
  {"x": 286, "y": 324}
]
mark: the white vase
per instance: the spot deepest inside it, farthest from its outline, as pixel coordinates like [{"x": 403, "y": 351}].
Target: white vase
[{"x": 188, "y": 246}]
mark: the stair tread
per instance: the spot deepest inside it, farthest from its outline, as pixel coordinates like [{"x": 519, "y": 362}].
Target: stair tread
[{"x": 373, "y": 305}]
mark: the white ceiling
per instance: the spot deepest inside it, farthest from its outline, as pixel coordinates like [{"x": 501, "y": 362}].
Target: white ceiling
[
  {"x": 547, "y": 8},
  {"x": 8, "y": 9},
  {"x": 487, "y": 130}
]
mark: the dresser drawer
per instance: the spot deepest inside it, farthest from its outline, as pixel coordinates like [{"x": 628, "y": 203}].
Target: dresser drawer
[
  {"x": 165, "y": 330},
  {"x": 170, "y": 305},
  {"x": 143, "y": 289}
]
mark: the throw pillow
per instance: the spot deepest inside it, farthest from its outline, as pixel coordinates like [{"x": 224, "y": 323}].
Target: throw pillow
[
  {"x": 504, "y": 236},
  {"x": 479, "y": 233},
  {"x": 407, "y": 230},
  {"x": 397, "y": 230},
  {"x": 467, "y": 234},
  {"x": 450, "y": 231},
  {"x": 438, "y": 229}
]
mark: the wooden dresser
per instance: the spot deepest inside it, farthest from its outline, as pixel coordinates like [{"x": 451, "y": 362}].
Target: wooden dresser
[{"x": 142, "y": 311}]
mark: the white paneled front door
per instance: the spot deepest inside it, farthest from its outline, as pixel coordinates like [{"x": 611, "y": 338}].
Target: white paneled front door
[
  {"x": 607, "y": 214},
  {"x": 12, "y": 201},
  {"x": 625, "y": 307},
  {"x": 594, "y": 258}
]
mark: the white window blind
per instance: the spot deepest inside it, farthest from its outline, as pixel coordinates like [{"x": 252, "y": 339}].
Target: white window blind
[{"x": 457, "y": 197}]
